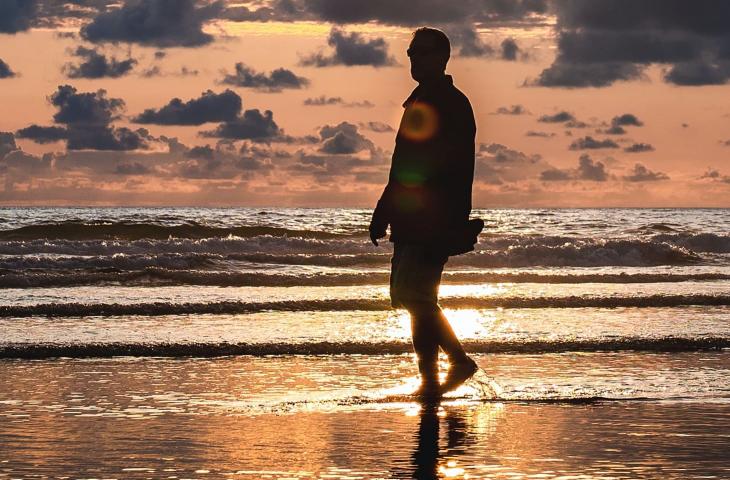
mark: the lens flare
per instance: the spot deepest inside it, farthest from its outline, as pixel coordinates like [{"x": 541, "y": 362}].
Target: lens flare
[{"x": 420, "y": 122}]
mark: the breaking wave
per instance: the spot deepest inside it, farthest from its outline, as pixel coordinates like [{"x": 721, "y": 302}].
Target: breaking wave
[
  {"x": 73, "y": 230},
  {"x": 155, "y": 276},
  {"x": 334, "y": 305},
  {"x": 218, "y": 349}
]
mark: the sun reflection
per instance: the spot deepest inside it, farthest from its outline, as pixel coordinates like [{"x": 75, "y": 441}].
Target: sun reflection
[{"x": 467, "y": 323}]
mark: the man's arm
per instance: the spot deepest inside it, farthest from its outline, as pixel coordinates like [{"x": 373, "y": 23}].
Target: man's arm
[{"x": 381, "y": 215}]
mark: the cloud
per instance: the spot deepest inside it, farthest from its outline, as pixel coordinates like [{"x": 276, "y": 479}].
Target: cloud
[
  {"x": 17, "y": 15},
  {"x": 511, "y": 110},
  {"x": 601, "y": 42},
  {"x": 90, "y": 108},
  {"x": 466, "y": 39},
  {"x": 323, "y": 100},
  {"x": 275, "y": 81},
  {"x": 509, "y": 49},
  {"x": 588, "y": 169},
  {"x": 642, "y": 174},
  {"x": 378, "y": 127},
  {"x": 342, "y": 139},
  {"x": 104, "y": 137},
  {"x": 87, "y": 117},
  {"x": 160, "y": 23},
  {"x": 209, "y": 107},
  {"x": 532, "y": 133},
  {"x": 5, "y": 71},
  {"x": 639, "y": 147},
  {"x": 559, "y": 117},
  {"x": 96, "y": 65},
  {"x": 627, "y": 119},
  {"x": 351, "y": 49},
  {"x": 420, "y": 12},
  {"x": 40, "y": 134},
  {"x": 7, "y": 143},
  {"x": 497, "y": 164},
  {"x": 710, "y": 174},
  {"x": 253, "y": 125},
  {"x": 133, "y": 168},
  {"x": 590, "y": 143}
]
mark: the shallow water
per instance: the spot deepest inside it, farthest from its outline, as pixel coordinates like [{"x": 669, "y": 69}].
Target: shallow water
[{"x": 566, "y": 415}]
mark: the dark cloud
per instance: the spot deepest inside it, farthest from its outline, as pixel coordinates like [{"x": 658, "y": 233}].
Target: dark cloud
[
  {"x": 351, "y": 49},
  {"x": 601, "y": 42},
  {"x": 323, "y": 100},
  {"x": 204, "y": 152},
  {"x": 7, "y": 143},
  {"x": 209, "y": 107},
  {"x": 275, "y": 81},
  {"x": 252, "y": 125},
  {"x": 132, "y": 168},
  {"x": 710, "y": 174},
  {"x": 642, "y": 174},
  {"x": 509, "y": 49},
  {"x": 627, "y": 119},
  {"x": 419, "y": 12},
  {"x": 5, "y": 71},
  {"x": 570, "y": 75},
  {"x": 90, "y": 108},
  {"x": 555, "y": 175},
  {"x": 532, "y": 133},
  {"x": 614, "y": 130},
  {"x": 104, "y": 137},
  {"x": 639, "y": 147},
  {"x": 87, "y": 117},
  {"x": 160, "y": 23},
  {"x": 156, "y": 71},
  {"x": 17, "y": 15},
  {"x": 590, "y": 143},
  {"x": 559, "y": 117},
  {"x": 97, "y": 65},
  {"x": 40, "y": 134},
  {"x": 511, "y": 110},
  {"x": 467, "y": 43},
  {"x": 588, "y": 169},
  {"x": 342, "y": 139},
  {"x": 378, "y": 127},
  {"x": 497, "y": 164}
]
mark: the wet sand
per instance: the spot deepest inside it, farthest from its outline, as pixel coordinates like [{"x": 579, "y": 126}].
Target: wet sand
[{"x": 569, "y": 416}]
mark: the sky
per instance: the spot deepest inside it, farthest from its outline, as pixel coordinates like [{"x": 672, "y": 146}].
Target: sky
[{"x": 578, "y": 103}]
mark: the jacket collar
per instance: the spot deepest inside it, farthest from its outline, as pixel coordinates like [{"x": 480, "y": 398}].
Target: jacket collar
[{"x": 429, "y": 89}]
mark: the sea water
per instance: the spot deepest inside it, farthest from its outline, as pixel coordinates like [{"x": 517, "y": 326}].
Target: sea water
[{"x": 259, "y": 343}]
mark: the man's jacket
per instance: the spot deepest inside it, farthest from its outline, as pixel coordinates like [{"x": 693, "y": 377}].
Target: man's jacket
[{"x": 428, "y": 194}]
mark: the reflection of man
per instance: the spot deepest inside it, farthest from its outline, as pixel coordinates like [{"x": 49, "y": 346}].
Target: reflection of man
[{"x": 427, "y": 198}]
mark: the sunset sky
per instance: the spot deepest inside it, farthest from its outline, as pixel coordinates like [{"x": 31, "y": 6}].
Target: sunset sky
[{"x": 578, "y": 103}]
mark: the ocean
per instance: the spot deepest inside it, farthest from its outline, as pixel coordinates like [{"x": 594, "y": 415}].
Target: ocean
[{"x": 259, "y": 343}]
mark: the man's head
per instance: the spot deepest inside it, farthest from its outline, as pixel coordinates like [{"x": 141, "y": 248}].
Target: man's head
[{"x": 429, "y": 52}]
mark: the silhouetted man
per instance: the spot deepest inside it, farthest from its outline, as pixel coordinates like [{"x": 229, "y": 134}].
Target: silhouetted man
[{"x": 427, "y": 202}]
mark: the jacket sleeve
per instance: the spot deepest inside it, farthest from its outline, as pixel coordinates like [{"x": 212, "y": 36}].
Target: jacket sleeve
[{"x": 382, "y": 215}]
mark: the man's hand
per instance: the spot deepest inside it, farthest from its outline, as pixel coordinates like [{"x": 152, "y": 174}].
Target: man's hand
[{"x": 376, "y": 232}]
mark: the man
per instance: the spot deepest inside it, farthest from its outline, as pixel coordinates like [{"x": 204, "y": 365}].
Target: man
[{"x": 426, "y": 201}]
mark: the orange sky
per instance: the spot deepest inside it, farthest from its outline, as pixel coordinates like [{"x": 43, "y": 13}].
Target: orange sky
[{"x": 685, "y": 125}]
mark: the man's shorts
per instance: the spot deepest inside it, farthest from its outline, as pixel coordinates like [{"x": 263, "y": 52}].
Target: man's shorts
[{"x": 415, "y": 275}]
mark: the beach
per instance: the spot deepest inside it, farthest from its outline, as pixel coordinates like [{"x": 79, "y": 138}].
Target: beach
[{"x": 259, "y": 343}]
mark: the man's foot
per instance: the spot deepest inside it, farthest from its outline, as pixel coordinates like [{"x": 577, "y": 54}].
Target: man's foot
[
  {"x": 459, "y": 373},
  {"x": 428, "y": 390}
]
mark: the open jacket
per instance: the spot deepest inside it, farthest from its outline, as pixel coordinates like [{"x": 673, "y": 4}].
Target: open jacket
[{"x": 429, "y": 187}]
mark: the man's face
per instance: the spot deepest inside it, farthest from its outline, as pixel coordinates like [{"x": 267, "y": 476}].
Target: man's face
[{"x": 426, "y": 61}]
